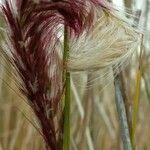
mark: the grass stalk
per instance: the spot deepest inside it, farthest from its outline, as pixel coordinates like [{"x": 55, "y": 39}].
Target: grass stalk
[
  {"x": 135, "y": 107},
  {"x": 147, "y": 87},
  {"x": 122, "y": 114},
  {"x": 66, "y": 75},
  {"x": 82, "y": 114},
  {"x": 136, "y": 97}
]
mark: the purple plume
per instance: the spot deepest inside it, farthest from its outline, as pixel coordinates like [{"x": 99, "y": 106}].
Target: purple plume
[{"x": 33, "y": 27}]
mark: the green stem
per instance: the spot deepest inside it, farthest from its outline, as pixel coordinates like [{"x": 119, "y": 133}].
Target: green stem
[{"x": 66, "y": 76}]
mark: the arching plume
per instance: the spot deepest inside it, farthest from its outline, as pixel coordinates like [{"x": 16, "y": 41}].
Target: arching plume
[{"x": 34, "y": 47}]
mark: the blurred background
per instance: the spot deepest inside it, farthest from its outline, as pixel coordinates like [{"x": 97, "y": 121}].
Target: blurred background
[{"x": 94, "y": 118}]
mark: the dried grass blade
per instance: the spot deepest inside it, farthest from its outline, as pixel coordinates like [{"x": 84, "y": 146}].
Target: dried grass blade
[{"x": 136, "y": 97}]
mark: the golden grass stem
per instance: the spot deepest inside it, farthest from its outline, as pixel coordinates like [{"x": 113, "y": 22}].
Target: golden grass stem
[{"x": 136, "y": 97}]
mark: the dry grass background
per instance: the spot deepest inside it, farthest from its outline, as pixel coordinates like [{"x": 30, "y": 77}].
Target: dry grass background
[{"x": 94, "y": 123}]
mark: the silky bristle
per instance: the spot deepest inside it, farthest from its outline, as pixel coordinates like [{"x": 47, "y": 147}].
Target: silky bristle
[{"x": 110, "y": 42}]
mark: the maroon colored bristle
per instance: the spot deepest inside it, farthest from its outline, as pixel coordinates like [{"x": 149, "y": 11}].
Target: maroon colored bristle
[{"x": 34, "y": 50}]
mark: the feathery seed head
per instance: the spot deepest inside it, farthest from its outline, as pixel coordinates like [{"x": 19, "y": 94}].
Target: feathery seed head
[
  {"x": 34, "y": 43},
  {"x": 110, "y": 43}
]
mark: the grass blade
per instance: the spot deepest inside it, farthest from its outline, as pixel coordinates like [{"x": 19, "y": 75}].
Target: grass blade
[{"x": 136, "y": 97}]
